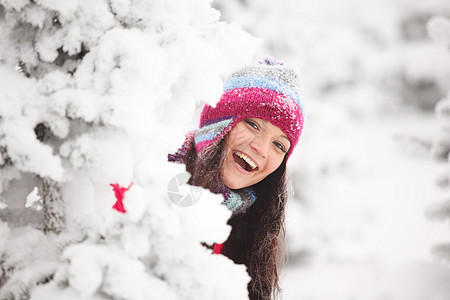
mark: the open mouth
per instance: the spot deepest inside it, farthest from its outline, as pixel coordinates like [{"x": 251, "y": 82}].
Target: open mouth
[{"x": 245, "y": 162}]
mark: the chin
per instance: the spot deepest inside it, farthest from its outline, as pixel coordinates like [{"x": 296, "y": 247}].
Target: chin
[{"x": 232, "y": 183}]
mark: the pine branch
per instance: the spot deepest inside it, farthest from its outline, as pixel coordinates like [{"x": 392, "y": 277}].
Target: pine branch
[{"x": 53, "y": 206}]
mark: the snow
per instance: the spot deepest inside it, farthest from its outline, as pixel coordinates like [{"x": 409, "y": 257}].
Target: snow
[
  {"x": 439, "y": 29},
  {"x": 115, "y": 85},
  {"x": 91, "y": 91},
  {"x": 33, "y": 200},
  {"x": 3, "y": 205},
  {"x": 413, "y": 281}
]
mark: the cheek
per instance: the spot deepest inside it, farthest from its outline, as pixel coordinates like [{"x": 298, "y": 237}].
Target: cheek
[
  {"x": 239, "y": 136},
  {"x": 274, "y": 163}
]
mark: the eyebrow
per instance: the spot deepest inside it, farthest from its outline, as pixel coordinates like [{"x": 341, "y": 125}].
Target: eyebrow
[{"x": 283, "y": 136}]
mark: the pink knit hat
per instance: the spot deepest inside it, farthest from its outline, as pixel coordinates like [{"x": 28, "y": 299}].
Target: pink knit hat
[{"x": 268, "y": 91}]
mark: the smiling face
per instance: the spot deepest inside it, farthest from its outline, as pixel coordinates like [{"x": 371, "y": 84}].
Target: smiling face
[{"x": 254, "y": 148}]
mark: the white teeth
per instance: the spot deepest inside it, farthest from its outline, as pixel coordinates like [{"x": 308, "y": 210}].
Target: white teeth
[{"x": 247, "y": 159}]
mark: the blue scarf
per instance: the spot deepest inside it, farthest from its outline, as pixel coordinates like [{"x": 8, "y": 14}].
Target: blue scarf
[{"x": 238, "y": 201}]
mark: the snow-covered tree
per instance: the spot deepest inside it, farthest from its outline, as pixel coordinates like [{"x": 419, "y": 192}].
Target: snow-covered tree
[
  {"x": 94, "y": 92},
  {"x": 439, "y": 31}
]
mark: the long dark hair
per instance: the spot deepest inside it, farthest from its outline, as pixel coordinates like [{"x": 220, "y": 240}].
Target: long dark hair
[{"x": 257, "y": 238}]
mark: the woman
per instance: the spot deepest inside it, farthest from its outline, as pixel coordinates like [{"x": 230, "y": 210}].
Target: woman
[{"x": 240, "y": 151}]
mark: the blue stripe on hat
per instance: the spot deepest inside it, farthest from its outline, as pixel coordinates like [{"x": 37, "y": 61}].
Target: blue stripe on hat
[
  {"x": 263, "y": 82},
  {"x": 204, "y": 137}
]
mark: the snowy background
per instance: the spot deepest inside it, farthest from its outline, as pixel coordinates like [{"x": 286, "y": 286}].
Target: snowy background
[
  {"x": 369, "y": 164},
  {"x": 98, "y": 92}
]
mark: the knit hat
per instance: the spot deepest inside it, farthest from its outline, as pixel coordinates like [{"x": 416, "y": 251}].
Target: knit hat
[{"x": 268, "y": 91}]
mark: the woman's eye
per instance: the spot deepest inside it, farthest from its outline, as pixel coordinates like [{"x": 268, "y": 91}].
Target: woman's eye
[
  {"x": 280, "y": 146},
  {"x": 253, "y": 124}
]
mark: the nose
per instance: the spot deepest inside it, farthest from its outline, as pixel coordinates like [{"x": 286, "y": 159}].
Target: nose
[{"x": 261, "y": 145}]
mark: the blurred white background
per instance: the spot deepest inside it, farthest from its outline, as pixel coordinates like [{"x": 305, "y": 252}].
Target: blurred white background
[{"x": 364, "y": 173}]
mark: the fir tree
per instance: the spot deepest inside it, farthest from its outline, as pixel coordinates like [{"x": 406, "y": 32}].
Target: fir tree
[{"x": 90, "y": 91}]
